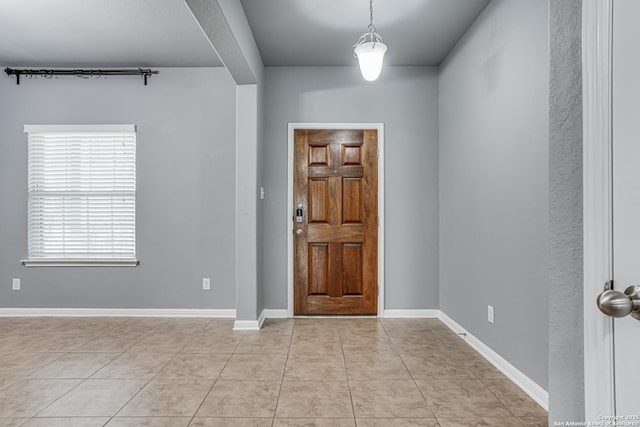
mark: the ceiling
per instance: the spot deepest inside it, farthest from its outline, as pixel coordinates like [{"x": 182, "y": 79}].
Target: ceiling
[
  {"x": 102, "y": 33},
  {"x": 322, "y": 32},
  {"x": 163, "y": 33}
]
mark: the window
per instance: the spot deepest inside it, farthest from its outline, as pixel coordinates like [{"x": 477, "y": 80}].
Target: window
[{"x": 82, "y": 195}]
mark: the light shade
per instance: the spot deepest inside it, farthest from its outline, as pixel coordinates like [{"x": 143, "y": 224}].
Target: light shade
[{"x": 370, "y": 56}]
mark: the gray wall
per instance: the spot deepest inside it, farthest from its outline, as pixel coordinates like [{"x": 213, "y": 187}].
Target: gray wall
[
  {"x": 260, "y": 204},
  {"x": 566, "y": 361},
  {"x": 405, "y": 99},
  {"x": 185, "y": 191},
  {"x": 494, "y": 182},
  {"x": 247, "y": 137}
]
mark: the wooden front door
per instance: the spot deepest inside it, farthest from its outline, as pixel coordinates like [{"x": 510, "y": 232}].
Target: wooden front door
[{"x": 335, "y": 190}]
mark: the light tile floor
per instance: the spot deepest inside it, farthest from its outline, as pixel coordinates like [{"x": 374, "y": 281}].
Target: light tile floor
[{"x": 320, "y": 372}]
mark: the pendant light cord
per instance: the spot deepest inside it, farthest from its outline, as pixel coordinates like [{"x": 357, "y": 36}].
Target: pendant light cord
[{"x": 371, "y": 27}]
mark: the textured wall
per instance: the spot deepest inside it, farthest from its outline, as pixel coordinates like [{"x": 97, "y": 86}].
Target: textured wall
[
  {"x": 494, "y": 182},
  {"x": 566, "y": 379},
  {"x": 185, "y": 189},
  {"x": 405, "y": 99}
]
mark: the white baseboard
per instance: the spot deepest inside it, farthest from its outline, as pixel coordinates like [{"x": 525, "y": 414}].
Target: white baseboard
[
  {"x": 116, "y": 312},
  {"x": 407, "y": 314},
  {"x": 276, "y": 313},
  {"x": 537, "y": 393},
  {"x": 249, "y": 325}
]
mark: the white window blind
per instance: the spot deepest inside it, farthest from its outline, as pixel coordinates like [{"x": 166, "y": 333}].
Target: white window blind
[{"x": 82, "y": 194}]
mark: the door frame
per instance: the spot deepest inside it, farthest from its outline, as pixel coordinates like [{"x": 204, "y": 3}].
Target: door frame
[
  {"x": 290, "y": 261},
  {"x": 599, "y": 387}
]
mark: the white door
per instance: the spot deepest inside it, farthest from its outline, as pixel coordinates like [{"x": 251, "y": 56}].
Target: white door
[{"x": 626, "y": 198}]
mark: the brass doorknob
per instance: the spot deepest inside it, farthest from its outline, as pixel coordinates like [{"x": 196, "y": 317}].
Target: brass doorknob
[{"x": 299, "y": 232}]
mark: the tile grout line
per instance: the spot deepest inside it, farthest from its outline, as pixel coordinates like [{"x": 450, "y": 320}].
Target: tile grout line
[
  {"x": 426, "y": 401},
  {"x": 83, "y": 380},
  {"x": 420, "y": 391},
  {"x": 284, "y": 371},
  {"x": 346, "y": 371},
  {"x": 149, "y": 381},
  {"x": 499, "y": 400},
  {"x": 210, "y": 388}
]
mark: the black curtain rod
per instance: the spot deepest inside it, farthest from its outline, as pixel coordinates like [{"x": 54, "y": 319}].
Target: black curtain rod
[{"x": 144, "y": 72}]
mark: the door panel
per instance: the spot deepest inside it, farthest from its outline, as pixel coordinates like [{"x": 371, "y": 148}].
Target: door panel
[
  {"x": 319, "y": 264},
  {"x": 626, "y": 198},
  {"x": 352, "y": 270},
  {"x": 352, "y": 202},
  {"x": 336, "y": 244},
  {"x": 319, "y": 201}
]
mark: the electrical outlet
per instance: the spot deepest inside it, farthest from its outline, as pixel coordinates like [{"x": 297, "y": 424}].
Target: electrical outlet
[
  {"x": 15, "y": 284},
  {"x": 490, "y": 316},
  {"x": 206, "y": 284}
]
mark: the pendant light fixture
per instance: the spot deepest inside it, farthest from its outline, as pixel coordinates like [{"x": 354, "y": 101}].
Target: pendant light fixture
[{"x": 370, "y": 50}]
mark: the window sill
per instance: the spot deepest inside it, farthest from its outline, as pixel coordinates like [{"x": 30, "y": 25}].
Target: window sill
[{"x": 80, "y": 262}]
